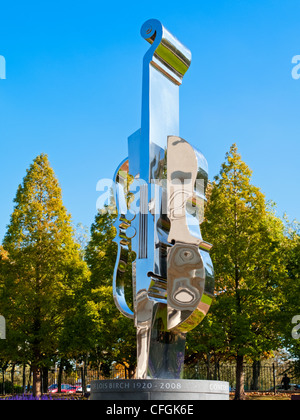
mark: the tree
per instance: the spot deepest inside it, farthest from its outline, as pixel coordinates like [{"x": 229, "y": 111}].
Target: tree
[
  {"x": 290, "y": 311},
  {"x": 42, "y": 270},
  {"x": 247, "y": 241},
  {"x": 115, "y": 334}
]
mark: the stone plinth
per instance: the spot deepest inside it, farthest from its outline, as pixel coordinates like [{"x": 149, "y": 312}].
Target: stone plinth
[{"x": 159, "y": 389}]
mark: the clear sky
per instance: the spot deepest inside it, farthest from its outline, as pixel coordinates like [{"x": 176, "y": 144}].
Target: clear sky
[{"x": 73, "y": 90}]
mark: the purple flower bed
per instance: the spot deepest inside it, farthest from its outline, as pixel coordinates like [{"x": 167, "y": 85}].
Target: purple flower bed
[{"x": 30, "y": 397}]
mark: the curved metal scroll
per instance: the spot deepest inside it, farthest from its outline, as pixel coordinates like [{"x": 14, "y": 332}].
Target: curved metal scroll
[
  {"x": 167, "y": 53},
  {"x": 122, "y": 224}
]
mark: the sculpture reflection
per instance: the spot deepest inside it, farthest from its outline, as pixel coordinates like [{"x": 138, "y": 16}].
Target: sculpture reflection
[{"x": 160, "y": 194}]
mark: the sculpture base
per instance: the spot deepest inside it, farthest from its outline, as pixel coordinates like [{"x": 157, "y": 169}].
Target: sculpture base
[{"x": 159, "y": 389}]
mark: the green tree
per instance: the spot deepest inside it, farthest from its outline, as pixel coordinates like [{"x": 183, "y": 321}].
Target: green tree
[
  {"x": 290, "y": 311},
  {"x": 248, "y": 239},
  {"x": 42, "y": 270},
  {"x": 115, "y": 334}
]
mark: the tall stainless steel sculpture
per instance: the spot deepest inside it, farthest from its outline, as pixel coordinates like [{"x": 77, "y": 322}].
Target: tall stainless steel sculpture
[{"x": 160, "y": 194}]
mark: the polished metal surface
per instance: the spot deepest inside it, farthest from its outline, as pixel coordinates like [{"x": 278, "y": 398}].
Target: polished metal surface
[
  {"x": 167, "y": 54},
  {"x": 122, "y": 224},
  {"x": 187, "y": 288},
  {"x": 160, "y": 194}
]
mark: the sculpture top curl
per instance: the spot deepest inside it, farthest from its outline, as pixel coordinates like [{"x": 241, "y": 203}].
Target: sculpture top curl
[{"x": 166, "y": 53}]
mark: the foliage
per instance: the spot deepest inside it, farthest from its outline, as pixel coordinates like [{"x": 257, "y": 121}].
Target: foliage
[
  {"x": 41, "y": 269},
  {"x": 291, "y": 289},
  {"x": 56, "y": 281},
  {"x": 116, "y": 334},
  {"x": 248, "y": 262}
]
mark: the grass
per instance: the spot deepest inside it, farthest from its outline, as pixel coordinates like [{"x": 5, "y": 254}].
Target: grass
[{"x": 265, "y": 396}]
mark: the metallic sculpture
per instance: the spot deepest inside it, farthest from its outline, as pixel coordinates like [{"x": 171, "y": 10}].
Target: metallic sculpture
[{"x": 160, "y": 194}]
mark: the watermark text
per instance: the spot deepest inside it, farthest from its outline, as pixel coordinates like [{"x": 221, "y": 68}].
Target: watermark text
[
  {"x": 296, "y": 69},
  {"x": 177, "y": 197},
  {"x": 2, "y": 67}
]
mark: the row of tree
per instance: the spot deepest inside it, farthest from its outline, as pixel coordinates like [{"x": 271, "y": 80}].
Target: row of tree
[{"x": 56, "y": 293}]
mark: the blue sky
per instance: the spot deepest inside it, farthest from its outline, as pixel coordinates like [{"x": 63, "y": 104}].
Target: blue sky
[{"x": 73, "y": 90}]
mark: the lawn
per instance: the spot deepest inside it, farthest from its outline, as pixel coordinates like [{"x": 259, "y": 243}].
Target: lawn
[{"x": 265, "y": 396}]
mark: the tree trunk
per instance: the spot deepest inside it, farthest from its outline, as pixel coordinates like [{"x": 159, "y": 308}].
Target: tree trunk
[
  {"x": 12, "y": 376},
  {"x": 60, "y": 372},
  {"x": 29, "y": 379},
  {"x": 239, "y": 391},
  {"x": 83, "y": 376},
  {"x": 217, "y": 371},
  {"x": 256, "y": 374},
  {"x": 82, "y": 379},
  {"x": 45, "y": 380},
  {"x": 208, "y": 376},
  {"x": 24, "y": 378},
  {"x": 37, "y": 382}
]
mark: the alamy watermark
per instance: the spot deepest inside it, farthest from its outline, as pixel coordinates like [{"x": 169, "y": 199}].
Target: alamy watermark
[
  {"x": 2, "y": 67},
  {"x": 296, "y": 68},
  {"x": 296, "y": 329},
  {"x": 2, "y": 328},
  {"x": 179, "y": 197}
]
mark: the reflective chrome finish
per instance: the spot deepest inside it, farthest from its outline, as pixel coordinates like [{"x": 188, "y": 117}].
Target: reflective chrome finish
[
  {"x": 121, "y": 225},
  {"x": 167, "y": 53},
  {"x": 160, "y": 192}
]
